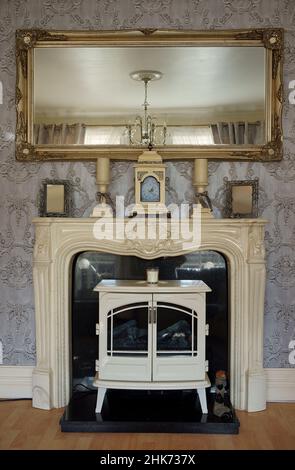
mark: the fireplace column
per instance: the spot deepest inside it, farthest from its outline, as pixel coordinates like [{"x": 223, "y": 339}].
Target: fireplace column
[
  {"x": 256, "y": 393},
  {"x": 42, "y": 374}
]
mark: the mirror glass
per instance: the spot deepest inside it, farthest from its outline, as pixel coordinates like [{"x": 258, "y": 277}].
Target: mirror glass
[
  {"x": 193, "y": 95},
  {"x": 242, "y": 199},
  {"x": 55, "y": 198}
]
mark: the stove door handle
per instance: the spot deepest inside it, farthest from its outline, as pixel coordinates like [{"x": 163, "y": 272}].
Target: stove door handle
[
  {"x": 150, "y": 315},
  {"x": 155, "y": 315}
]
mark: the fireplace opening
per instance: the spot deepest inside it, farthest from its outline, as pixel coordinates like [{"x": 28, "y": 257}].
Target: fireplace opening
[{"x": 91, "y": 267}]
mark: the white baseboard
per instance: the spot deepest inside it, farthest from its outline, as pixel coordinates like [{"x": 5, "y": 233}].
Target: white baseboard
[
  {"x": 280, "y": 384},
  {"x": 16, "y": 381}
]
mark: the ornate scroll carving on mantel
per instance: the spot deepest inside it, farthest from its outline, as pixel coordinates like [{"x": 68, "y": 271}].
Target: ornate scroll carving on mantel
[
  {"x": 145, "y": 248},
  {"x": 256, "y": 250},
  {"x": 41, "y": 249},
  {"x": 58, "y": 240}
]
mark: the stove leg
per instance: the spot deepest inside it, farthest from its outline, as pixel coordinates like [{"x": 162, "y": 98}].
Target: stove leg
[
  {"x": 203, "y": 399},
  {"x": 100, "y": 398}
]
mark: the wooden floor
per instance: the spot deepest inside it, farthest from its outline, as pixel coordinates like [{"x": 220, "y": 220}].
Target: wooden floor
[{"x": 24, "y": 427}]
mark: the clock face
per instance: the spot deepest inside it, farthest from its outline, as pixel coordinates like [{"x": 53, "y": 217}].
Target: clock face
[{"x": 150, "y": 190}]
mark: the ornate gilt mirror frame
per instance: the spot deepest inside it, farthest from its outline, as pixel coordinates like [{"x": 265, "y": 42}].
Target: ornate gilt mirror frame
[{"x": 28, "y": 40}]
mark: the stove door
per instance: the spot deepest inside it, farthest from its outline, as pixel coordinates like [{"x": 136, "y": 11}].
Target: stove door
[
  {"x": 178, "y": 337},
  {"x": 125, "y": 339}
]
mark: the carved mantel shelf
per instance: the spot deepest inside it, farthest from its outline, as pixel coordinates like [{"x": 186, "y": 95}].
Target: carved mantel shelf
[{"x": 58, "y": 240}]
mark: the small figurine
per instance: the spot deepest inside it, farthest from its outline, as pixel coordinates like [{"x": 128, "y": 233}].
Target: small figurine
[
  {"x": 105, "y": 206},
  {"x": 220, "y": 408},
  {"x": 204, "y": 199},
  {"x": 105, "y": 198}
]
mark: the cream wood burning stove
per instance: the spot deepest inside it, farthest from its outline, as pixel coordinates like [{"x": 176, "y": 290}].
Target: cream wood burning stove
[{"x": 152, "y": 337}]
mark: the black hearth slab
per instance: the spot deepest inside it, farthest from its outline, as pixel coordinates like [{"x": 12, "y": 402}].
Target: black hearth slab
[{"x": 142, "y": 411}]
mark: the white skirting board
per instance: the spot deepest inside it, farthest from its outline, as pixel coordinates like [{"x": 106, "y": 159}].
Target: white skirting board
[
  {"x": 16, "y": 381},
  {"x": 280, "y": 384}
]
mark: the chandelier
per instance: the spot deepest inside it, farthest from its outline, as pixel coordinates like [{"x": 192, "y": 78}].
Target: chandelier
[{"x": 145, "y": 130}]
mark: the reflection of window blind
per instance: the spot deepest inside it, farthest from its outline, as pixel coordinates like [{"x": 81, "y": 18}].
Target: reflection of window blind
[
  {"x": 177, "y": 135},
  {"x": 104, "y": 135},
  {"x": 190, "y": 135}
]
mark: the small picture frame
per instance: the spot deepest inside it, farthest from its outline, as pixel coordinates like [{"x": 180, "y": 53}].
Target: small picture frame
[
  {"x": 241, "y": 198},
  {"x": 55, "y": 198}
]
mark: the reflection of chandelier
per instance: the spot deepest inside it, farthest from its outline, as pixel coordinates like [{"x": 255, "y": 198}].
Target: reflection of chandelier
[{"x": 145, "y": 130}]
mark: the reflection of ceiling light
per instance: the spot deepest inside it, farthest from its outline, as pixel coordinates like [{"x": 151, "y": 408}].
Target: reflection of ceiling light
[
  {"x": 209, "y": 265},
  {"x": 145, "y": 130},
  {"x": 85, "y": 264}
]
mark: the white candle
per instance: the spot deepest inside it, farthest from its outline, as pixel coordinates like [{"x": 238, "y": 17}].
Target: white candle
[{"x": 152, "y": 275}]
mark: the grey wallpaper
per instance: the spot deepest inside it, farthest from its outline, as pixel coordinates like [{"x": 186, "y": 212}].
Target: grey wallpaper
[{"x": 20, "y": 182}]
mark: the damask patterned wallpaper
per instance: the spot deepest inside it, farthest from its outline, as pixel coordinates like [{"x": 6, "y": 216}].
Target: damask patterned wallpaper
[{"x": 20, "y": 182}]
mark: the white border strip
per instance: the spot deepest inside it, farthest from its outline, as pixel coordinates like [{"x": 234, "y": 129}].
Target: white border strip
[
  {"x": 16, "y": 381},
  {"x": 280, "y": 384}
]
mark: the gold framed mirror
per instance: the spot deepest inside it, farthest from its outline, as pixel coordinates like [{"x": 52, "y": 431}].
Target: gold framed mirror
[{"x": 188, "y": 94}]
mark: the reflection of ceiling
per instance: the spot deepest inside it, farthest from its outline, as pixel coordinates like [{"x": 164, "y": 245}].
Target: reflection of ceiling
[{"x": 95, "y": 81}]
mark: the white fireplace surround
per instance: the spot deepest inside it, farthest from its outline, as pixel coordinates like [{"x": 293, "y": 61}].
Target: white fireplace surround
[{"x": 58, "y": 240}]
